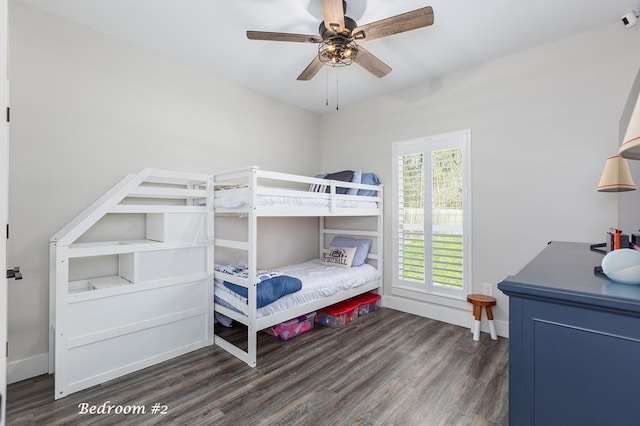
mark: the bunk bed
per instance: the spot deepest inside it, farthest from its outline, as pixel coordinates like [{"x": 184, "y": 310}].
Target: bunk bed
[
  {"x": 160, "y": 247},
  {"x": 250, "y": 194}
]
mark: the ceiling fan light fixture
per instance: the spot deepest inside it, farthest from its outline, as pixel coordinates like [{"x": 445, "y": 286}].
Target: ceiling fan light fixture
[
  {"x": 337, "y": 51},
  {"x": 338, "y": 36}
]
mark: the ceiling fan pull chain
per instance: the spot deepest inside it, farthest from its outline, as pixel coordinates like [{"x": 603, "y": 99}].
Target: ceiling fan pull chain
[
  {"x": 337, "y": 97},
  {"x": 326, "y": 92}
]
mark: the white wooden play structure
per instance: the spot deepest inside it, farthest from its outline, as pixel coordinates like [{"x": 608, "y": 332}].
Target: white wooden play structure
[
  {"x": 132, "y": 276},
  {"x": 140, "y": 301}
]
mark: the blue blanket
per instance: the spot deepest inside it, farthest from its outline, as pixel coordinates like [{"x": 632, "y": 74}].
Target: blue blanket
[{"x": 269, "y": 290}]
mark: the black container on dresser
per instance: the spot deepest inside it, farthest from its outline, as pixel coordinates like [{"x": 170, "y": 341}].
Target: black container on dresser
[{"x": 574, "y": 354}]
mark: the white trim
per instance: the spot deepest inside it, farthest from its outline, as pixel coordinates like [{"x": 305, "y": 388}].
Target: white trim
[
  {"x": 456, "y": 302},
  {"x": 4, "y": 201},
  {"x": 448, "y": 314},
  {"x": 25, "y": 368}
]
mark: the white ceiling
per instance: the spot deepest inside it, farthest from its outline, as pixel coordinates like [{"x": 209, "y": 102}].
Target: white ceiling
[{"x": 211, "y": 34}]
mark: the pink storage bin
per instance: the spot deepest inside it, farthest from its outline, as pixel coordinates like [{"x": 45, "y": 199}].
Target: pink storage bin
[{"x": 291, "y": 328}]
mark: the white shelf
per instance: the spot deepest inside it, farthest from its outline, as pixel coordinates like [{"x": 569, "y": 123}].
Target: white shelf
[
  {"x": 107, "y": 282},
  {"x": 104, "y": 248},
  {"x": 82, "y": 290}
]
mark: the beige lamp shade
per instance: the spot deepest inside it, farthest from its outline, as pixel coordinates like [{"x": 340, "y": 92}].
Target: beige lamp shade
[
  {"x": 616, "y": 176},
  {"x": 631, "y": 142}
]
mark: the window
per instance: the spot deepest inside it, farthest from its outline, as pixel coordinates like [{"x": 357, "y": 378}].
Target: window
[{"x": 432, "y": 215}]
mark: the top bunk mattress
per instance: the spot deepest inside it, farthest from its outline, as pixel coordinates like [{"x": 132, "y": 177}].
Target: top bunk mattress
[
  {"x": 239, "y": 200},
  {"x": 274, "y": 193},
  {"x": 318, "y": 281}
]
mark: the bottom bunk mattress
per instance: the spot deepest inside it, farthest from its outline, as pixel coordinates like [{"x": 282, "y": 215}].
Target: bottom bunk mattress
[{"x": 318, "y": 281}]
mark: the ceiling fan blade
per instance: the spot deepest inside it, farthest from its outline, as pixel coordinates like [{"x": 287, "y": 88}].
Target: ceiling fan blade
[
  {"x": 371, "y": 63},
  {"x": 333, "y": 14},
  {"x": 396, "y": 24},
  {"x": 311, "y": 70},
  {"x": 299, "y": 38}
]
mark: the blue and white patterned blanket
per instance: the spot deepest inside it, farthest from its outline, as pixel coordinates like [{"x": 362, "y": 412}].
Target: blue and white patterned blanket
[{"x": 271, "y": 285}]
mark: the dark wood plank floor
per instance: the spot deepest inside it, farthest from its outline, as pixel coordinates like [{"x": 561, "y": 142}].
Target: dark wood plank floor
[{"x": 385, "y": 368}]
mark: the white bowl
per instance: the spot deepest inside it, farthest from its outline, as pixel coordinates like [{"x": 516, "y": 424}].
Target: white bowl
[{"x": 622, "y": 265}]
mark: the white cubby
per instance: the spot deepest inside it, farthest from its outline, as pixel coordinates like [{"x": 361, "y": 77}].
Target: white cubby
[
  {"x": 164, "y": 227},
  {"x": 153, "y": 265}
]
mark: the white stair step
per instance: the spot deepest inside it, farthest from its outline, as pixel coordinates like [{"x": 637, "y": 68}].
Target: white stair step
[
  {"x": 155, "y": 208},
  {"x": 105, "y": 248},
  {"x": 172, "y": 193}
]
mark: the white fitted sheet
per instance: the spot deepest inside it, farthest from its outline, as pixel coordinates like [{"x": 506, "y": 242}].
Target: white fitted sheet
[{"x": 318, "y": 281}]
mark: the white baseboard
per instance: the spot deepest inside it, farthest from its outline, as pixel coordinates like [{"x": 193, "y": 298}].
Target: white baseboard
[
  {"x": 448, "y": 314},
  {"x": 26, "y": 368}
]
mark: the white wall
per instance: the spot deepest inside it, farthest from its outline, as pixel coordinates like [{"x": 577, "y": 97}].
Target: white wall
[
  {"x": 542, "y": 123},
  {"x": 629, "y": 203},
  {"x": 88, "y": 109}
]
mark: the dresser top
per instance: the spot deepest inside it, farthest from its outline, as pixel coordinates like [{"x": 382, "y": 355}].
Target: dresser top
[{"x": 565, "y": 271}]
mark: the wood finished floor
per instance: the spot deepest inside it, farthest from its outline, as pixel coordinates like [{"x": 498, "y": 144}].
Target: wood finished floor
[{"x": 385, "y": 368}]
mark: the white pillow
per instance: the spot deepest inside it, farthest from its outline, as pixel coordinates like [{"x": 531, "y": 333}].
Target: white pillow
[{"x": 339, "y": 256}]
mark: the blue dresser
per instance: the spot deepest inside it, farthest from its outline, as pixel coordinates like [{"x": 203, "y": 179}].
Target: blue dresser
[{"x": 574, "y": 355}]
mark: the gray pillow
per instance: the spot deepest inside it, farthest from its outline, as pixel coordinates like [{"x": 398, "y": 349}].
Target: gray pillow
[
  {"x": 344, "y": 176},
  {"x": 362, "y": 248}
]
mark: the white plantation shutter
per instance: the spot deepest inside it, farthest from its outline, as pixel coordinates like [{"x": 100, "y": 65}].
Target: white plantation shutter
[
  {"x": 447, "y": 232},
  {"x": 411, "y": 228},
  {"x": 432, "y": 214}
]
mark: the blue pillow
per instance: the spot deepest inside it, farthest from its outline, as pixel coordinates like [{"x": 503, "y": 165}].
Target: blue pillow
[
  {"x": 357, "y": 178},
  {"x": 369, "y": 179},
  {"x": 362, "y": 248},
  {"x": 269, "y": 290}
]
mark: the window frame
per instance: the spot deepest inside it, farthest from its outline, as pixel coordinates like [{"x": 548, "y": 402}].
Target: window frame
[{"x": 425, "y": 290}]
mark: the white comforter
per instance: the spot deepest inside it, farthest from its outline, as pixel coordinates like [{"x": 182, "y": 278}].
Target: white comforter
[{"x": 318, "y": 281}]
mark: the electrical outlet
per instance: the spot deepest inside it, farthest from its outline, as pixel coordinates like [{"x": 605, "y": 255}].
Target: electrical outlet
[{"x": 488, "y": 289}]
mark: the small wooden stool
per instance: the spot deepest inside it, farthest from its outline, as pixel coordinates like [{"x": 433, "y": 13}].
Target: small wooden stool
[{"x": 478, "y": 301}]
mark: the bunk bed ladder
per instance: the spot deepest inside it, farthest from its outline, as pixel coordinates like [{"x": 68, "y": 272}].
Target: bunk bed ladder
[{"x": 250, "y": 355}]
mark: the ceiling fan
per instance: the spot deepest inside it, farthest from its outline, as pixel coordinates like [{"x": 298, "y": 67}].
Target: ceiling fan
[{"x": 340, "y": 37}]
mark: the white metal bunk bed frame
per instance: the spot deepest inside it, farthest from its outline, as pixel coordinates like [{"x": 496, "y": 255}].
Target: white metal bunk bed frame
[{"x": 250, "y": 177}]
